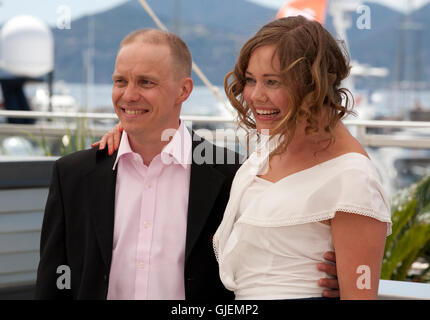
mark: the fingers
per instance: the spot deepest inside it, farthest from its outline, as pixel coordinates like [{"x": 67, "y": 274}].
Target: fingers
[
  {"x": 102, "y": 144},
  {"x": 330, "y": 256},
  {"x": 110, "y": 143},
  {"x": 329, "y": 283},
  {"x": 331, "y": 293},
  {"x": 332, "y": 286},
  {"x": 329, "y": 269},
  {"x": 117, "y": 137},
  {"x": 111, "y": 139}
]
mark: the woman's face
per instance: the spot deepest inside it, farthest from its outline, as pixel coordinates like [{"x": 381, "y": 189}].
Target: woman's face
[{"x": 264, "y": 92}]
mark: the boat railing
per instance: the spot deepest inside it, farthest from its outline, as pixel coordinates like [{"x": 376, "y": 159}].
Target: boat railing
[
  {"x": 22, "y": 205},
  {"x": 370, "y": 133}
]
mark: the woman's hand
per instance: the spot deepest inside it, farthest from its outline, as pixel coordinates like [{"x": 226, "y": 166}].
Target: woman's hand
[{"x": 112, "y": 139}]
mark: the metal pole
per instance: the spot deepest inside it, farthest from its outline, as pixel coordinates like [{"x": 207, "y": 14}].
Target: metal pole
[
  {"x": 177, "y": 14},
  {"x": 195, "y": 68}
]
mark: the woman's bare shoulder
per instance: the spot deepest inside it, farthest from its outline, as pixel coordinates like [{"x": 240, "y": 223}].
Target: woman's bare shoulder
[{"x": 350, "y": 144}]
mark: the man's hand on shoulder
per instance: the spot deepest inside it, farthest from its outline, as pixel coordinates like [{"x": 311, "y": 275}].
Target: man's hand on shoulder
[{"x": 331, "y": 284}]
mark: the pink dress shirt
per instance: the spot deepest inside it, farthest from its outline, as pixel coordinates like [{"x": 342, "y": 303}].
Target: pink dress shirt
[{"x": 151, "y": 204}]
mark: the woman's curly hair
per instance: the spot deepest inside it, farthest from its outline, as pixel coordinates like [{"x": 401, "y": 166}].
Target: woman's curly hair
[{"x": 312, "y": 68}]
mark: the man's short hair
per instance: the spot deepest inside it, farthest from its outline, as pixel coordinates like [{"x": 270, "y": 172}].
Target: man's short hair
[{"x": 178, "y": 48}]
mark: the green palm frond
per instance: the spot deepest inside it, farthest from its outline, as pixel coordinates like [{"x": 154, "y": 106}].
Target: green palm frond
[
  {"x": 400, "y": 217},
  {"x": 405, "y": 252},
  {"x": 410, "y": 236}
]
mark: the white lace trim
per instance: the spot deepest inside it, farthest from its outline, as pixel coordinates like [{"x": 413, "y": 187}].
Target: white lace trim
[
  {"x": 313, "y": 218},
  {"x": 316, "y": 217},
  {"x": 215, "y": 250}
]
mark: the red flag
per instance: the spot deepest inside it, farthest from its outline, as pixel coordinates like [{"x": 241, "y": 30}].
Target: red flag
[{"x": 310, "y": 9}]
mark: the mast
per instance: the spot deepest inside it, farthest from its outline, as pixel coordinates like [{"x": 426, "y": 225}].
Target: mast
[
  {"x": 177, "y": 17},
  {"x": 89, "y": 63},
  {"x": 408, "y": 51}
]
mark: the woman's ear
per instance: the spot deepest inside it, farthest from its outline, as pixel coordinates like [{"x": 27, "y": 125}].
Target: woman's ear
[{"x": 185, "y": 89}]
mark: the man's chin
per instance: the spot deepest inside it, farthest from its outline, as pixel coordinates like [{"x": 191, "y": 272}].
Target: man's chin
[{"x": 132, "y": 130}]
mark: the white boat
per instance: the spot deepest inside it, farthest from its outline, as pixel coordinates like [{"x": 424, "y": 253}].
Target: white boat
[{"x": 60, "y": 101}]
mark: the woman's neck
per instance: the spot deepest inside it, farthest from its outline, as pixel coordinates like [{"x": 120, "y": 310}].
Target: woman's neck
[{"x": 315, "y": 142}]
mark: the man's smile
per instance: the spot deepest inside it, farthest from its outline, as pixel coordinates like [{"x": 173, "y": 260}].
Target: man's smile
[{"x": 133, "y": 112}]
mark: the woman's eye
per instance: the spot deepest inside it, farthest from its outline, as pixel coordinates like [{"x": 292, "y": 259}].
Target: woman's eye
[
  {"x": 272, "y": 83},
  {"x": 249, "y": 80}
]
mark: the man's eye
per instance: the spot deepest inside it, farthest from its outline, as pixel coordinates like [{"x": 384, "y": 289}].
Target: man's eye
[
  {"x": 146, "y": 82},
  {"x": 119, "y": 81}
]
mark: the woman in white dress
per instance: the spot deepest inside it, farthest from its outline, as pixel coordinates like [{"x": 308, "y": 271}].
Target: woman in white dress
[{"x": 310, "y": 187}]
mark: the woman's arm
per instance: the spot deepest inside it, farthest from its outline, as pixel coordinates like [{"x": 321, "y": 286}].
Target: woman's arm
[{"x": 359, "y": 243}]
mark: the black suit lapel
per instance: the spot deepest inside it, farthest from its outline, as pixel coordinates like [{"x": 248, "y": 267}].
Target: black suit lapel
[
  {"x": 102, "y": 186},
  {"x": 205, "y": 184}
]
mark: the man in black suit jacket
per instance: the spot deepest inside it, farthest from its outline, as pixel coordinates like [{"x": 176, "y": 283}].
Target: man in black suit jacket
[
  {"x": 78, "y": 225},
  {"x": 79, "y": 221}
]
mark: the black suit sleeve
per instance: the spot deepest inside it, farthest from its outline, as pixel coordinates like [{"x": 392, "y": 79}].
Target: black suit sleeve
[{"x": 52, "y": 244}]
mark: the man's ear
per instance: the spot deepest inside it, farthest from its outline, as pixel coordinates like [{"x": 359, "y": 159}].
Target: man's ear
[{"x": 185, "y": 89}]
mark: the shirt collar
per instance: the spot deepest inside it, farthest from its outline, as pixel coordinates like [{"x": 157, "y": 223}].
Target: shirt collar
[
  {"x": 124, "y": 148},
  {"x": 178, "y": 149}
]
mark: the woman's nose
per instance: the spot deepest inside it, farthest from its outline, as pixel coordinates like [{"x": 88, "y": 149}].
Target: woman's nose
[{"x": 259, "y": 93}]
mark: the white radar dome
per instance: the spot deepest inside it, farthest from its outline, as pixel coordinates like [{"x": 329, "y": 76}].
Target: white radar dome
[{"x": 26, "y": 47}]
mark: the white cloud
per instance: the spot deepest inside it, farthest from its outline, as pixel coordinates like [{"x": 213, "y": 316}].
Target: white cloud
[
  {"x": 399, "y": 5},
  {"x": 402, "y": 5}
]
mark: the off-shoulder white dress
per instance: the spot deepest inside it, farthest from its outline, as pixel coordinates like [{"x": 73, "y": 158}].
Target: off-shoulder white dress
[{"x": 271, "y": 238}]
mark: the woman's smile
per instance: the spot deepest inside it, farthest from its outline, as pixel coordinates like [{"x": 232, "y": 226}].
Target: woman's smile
[{"x": 264, "y": 92}]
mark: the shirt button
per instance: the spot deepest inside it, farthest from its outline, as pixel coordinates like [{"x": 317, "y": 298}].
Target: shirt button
[
  {"x": 142, "y": 265},
  {"x": 149, "y": 185},
  {"x": 145, "y": 225}
]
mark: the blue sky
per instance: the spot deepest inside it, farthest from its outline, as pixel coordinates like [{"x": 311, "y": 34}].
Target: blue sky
[{"x": 47, "y": 9}]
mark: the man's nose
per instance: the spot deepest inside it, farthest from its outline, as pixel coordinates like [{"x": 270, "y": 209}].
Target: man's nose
[{"x": 131, "y": 93}]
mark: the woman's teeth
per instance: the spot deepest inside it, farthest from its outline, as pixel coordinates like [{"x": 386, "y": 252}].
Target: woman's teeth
[{"x": 267, "y": 112}]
